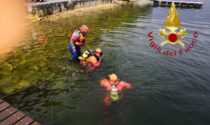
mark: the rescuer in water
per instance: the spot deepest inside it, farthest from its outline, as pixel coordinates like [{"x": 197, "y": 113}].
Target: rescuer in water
[
  {"x": 77, "y": 40},
  {"x": 114, "y": 88},
  {"x": 91, "y": 60}
]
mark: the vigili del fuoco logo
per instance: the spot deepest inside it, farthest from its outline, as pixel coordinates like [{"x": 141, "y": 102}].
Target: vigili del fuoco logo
[{"x": 172, "y": 34}]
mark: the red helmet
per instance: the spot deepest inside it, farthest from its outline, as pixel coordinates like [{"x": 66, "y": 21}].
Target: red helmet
[{"x": 84, "y": 28}]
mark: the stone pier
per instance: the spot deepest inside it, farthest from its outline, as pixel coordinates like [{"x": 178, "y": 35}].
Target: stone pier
[{"x": 55, "y": 6}]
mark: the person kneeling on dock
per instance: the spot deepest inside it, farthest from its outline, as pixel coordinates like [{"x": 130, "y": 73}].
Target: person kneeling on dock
[
  {"x": 77, "y": 40},
  {"x": 114, "y": 88},
  {"x": 91, "y": 60}
]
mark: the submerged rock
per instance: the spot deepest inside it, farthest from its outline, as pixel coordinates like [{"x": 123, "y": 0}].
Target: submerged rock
[
  {"x": 5, "y": 73},
  {"x": 35, "y": 68},
  {"x": 6, "y": 66},
  {"x": 8, "y": 90},
  {"x": 22, "y": 84},
  {"x": 42, "y": 64},
  {"x": 15, "y": 85},
  {"x": 22, "y": 62}
]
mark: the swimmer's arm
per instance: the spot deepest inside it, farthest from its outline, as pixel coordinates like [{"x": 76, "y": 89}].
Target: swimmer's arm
[
  {"x": 127, "y": 85},
  {"x": 103, "y": 82}
]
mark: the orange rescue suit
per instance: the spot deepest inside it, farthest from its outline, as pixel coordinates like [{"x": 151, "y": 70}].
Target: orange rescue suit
[{"x": 108, "y": 84}]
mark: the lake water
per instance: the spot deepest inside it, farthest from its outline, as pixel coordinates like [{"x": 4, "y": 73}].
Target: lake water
[{"x": 167, "y": 90}]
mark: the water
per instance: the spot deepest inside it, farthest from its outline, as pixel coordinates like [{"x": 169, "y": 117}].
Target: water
[{"x": 167, "y": 90}]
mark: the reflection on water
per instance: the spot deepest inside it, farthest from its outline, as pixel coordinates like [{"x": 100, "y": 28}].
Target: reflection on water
[{"x": 166, "y": 90}]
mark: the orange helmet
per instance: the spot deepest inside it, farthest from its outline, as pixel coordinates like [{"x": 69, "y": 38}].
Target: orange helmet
[
  {"x": 113, "y": 77},
  {"x": 84, "y": 28}
]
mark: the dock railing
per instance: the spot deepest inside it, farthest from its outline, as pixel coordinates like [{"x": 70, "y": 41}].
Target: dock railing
[{"x": 179, "y": 3}]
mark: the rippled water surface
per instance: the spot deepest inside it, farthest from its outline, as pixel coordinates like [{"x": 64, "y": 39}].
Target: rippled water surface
[{"x": 167, "y": 90}]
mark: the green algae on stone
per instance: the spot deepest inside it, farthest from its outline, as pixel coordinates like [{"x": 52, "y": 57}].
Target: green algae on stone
[
  {"x": 6, "y": 67},
  {"x": 22, "y": 84},
  {"x": 35, "y": 68}
]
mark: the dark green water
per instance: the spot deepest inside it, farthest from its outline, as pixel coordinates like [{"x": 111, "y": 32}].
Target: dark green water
[{"x": 167, "y": 90}]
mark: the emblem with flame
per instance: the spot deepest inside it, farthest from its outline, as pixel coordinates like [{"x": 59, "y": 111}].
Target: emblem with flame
[{"x": 172, "y": 24}]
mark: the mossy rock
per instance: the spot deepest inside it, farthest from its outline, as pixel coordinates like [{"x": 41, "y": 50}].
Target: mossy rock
[
  {"x": 6, "y": 66},
  {"x": 22, "y": 84},
  {"x": 5, "y": 73},
  {"x": 7, "y": 90},
  {"x": 59, "y": 80},
  {"x": 51, "y": 77},
  {"x": 42, "y": 64},
  {"x": 22, "y": 62},
  {"x": 5, "y": 82},
  {"x": 35, "y": 68},
  {"x": 9, "y": 84}
]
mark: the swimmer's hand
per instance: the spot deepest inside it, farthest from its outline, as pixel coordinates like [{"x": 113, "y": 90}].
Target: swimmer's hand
[{"x": 74, "y": 49}]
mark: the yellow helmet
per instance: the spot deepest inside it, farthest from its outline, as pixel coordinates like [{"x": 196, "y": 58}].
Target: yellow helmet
[
  {"x": 85, "y": 54},
  {"x": 98, "y": 50},
  {"x": 113, "y": 77}
]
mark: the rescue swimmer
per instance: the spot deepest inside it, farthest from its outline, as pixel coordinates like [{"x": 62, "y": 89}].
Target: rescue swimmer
[
  {"x": 114, "y": 87},
  {"x": 77, "y": 40},
  {"x": 91, "y": 60}
]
